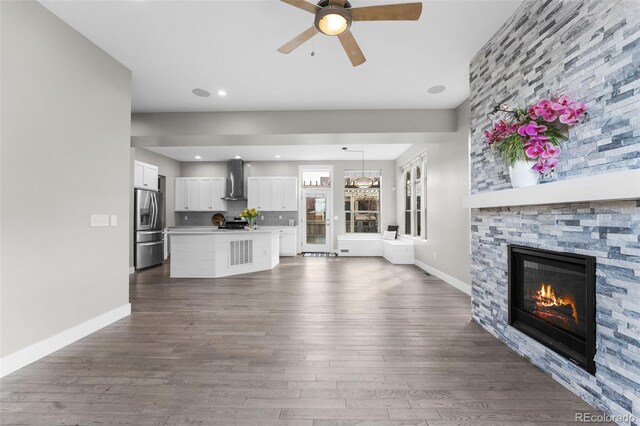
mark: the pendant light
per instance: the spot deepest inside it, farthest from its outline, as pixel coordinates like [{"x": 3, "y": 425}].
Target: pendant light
[{"x": 361, "y": 182}]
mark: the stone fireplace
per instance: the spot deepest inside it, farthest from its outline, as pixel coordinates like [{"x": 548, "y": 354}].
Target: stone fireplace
[
  {"x": 589, "y": 50},
  {"x": 552, "y": 300},
  {"x": 607, "y": 231}
]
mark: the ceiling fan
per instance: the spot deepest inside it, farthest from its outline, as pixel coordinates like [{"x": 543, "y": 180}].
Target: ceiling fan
[{"x": 334, "y": 18}]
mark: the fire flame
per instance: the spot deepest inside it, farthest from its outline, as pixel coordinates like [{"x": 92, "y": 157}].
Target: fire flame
[{"x": 547, "y": 297}]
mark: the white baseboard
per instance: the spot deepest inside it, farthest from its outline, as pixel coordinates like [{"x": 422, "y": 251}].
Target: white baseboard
[
  {"x": 454, "y": 282},
  {"x": 26, "y": 356},
  {"x": 132, "y": 270}
]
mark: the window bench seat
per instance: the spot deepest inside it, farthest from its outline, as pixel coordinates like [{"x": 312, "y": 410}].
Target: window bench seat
[
  {"x": 360, "y": 245},
  {"x": 399, "y": 251}
]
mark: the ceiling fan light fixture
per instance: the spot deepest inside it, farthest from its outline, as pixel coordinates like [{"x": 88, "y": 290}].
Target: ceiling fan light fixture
[{"x": 332, "y": 20}]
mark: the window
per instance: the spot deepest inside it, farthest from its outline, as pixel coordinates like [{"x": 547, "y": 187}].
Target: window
[
  {"x": 316, "y": 179},
  {"x": 407, "y": 202},
  {"x": 362, "y": 205},
  {"x": 414, "y": 198},
  {"x": 418, "y": 196}
]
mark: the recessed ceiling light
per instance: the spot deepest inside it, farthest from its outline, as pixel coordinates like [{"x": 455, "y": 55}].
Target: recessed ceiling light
[
  {"x": 201, "y": 92},
  {"x": 222, "y": 93},
  {"x": 198, "y": 157},
  {"x": 434, "y": 90},
  {"x": 238, "y": 157},
  {"x": 278, "y": 156}
]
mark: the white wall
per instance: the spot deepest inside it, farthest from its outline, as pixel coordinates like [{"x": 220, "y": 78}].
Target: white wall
[
  {"x": 203, "y": 169},
  {"x": 447, "y": 183},
  {"x": 221, "y": 127},
  {"x": 65, "y": 131}
]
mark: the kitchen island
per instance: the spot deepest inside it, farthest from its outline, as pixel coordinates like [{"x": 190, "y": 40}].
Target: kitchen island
[{"x": 215, "y": 253}]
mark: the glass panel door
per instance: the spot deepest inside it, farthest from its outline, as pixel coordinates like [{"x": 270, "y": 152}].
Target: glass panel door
[{"x": 317, "y": 215}]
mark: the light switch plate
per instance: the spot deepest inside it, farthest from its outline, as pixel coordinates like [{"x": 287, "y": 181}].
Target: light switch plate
[
  {"x": 113, "y": 220},
  {"x": 99, "y": 220}
]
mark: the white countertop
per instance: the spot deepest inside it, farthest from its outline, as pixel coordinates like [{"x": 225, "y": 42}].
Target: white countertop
[
  {"x": 277, "y": 227},
  {"x": 214, "y": 230}
]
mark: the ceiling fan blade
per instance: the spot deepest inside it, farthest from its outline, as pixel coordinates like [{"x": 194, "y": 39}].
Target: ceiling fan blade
[
  {"x": 389, "y": 12},
  {"x": 302, "y": 4},
  {"x": 295, "y": 42},
  {"x": 350, "y": 46}
]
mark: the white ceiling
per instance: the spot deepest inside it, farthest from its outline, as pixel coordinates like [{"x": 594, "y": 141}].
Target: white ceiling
[
  {"x": 287, "y": 152},
  {"x": 173, "y": 47}
]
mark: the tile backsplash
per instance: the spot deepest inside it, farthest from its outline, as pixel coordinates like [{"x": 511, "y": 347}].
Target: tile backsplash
[{"x": 233, "y": 210}]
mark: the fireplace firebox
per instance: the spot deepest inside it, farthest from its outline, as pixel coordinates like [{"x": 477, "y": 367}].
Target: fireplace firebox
[{"x": 552, "y": 300}]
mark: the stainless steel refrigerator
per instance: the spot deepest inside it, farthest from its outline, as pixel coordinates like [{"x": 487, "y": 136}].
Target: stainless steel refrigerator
[{"x": 149, "y": 228}]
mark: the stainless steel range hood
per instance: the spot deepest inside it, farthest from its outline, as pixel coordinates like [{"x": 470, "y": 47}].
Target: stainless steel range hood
[{"x": 235, "y": 181}]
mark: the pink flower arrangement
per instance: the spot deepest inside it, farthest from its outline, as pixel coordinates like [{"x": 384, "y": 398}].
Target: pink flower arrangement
[
  {"x": 533, "y": 133},
  {"x": 565, "y": 108},
  {"x": 500, "y": 131}
]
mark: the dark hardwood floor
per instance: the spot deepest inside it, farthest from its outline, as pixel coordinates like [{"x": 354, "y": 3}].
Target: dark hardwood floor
[{"x": 316, "y": 341}]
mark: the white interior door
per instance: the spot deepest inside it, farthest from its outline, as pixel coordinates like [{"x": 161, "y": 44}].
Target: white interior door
[{"x": 316, "y": 220}]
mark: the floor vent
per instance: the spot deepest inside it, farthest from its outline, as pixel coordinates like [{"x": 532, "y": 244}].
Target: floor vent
[
  {"x": 240, "y": 252},
  {"x": 318, "y": 254}
]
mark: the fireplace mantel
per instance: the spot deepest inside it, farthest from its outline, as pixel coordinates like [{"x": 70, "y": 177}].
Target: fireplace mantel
[{"x": 613, "y": 186}]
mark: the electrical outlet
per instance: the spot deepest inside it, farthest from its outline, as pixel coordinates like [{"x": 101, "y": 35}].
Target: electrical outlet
[
  {"x": 435, "y": 256},
  {"x": 185, "y": 217},
  {"x": 113, "y": 220},
  {"x": 280, "y": 217},
  {"x": 261, "y": 217}
]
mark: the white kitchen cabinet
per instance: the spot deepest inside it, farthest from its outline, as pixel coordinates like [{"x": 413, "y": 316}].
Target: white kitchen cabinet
[
  {"x": 138, "y": 174},
  {"x": 290, "y": 194},
  {"x": 205, "y": 194},
  {"x": 187, "y": 195},
  {"x": 277, "y": 194},
  {"x": 259, "y": 193},
  {"x": 253, "y": 192},
  {"x": 200, "y": 194},
  {"x": 273, "y": 193},
  {"x": 145, "y": 176},
  {"x": 265, "y": 195},
  {"x": 288, "y": 243},
  {"x": 211, "y": 191},
  {"x": 181, "y": 195},
  {"x": 219, "y": 188}
]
